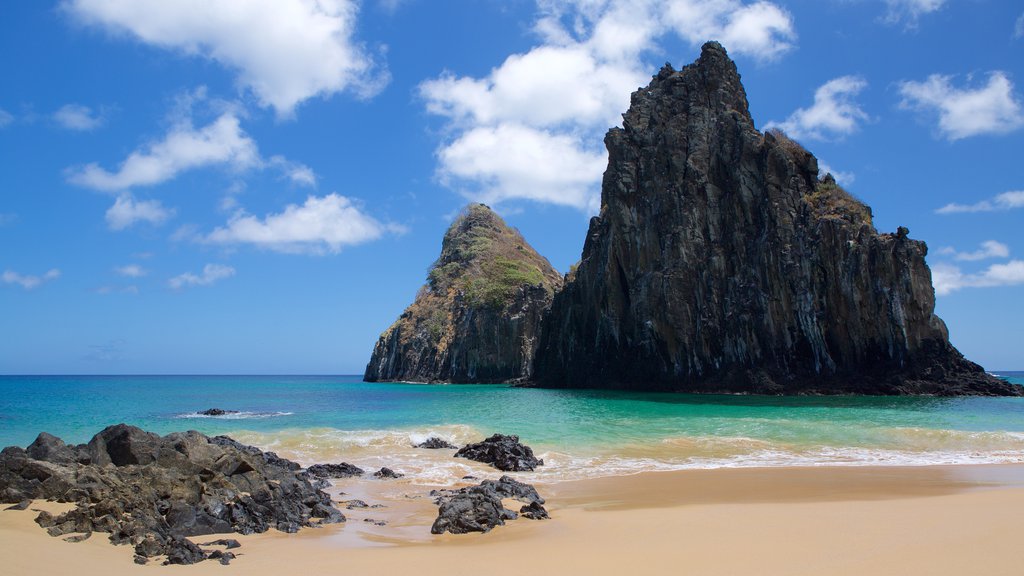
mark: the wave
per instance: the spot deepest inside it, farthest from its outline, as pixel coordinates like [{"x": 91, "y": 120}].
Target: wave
[
  {"x": 234, "y": 415},
  {"x": 372, "y": 449}
]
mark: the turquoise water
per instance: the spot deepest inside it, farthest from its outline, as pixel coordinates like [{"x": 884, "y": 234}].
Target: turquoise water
[{"x": 580, "y": 433}]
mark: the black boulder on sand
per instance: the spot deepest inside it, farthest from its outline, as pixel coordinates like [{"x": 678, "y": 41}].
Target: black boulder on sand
[{"x": 503, "y": 452}]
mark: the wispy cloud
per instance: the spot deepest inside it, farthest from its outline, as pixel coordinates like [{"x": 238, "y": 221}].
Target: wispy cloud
[
  {"x": 78, "y": 117},
  {"x": 834, "y": 114},
  {"x": 211, "y": 274},
  {"x": 988, "y": 249},
  {"x": 28, "y": 281},
  {"x": 6, "y": 118},
  {"x": 1004, "y": 201},
  {"x": 222, "y": 142},
  {"x": 948, "y": 278},
  {"x": 909, "y": 11},
  {"x": 320, "y": 225},
  {"x": 130, "y": 271},
  {"x": 1018, "y": 28},
  {"x": 964, "y": 112},
  {"x": 284, "y": 51},
  {"x": 126, "y": 211}
]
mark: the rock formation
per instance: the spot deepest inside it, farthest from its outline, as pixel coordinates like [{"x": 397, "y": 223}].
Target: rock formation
[
  {"x": 477, "y": 318},
  {"x": 720, "y": 262},
  {"x": 504, "y": 452},
  {"x": 480, "y": 508},
  {"x": 154, "y": 492}
]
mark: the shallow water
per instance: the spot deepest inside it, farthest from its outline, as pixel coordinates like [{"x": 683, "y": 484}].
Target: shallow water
[{"x": 578, "y": 433}]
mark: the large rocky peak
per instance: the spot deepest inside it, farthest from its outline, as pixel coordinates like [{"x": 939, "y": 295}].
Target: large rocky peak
[
  {"x": 477, "y": 317},
  {"x": 721, "y": 262}
]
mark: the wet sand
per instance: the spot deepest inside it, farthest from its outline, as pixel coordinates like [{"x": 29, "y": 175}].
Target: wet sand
[{"x": 792, "y": 521}]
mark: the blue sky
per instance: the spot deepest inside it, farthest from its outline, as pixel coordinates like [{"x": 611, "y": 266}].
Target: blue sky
[{"x": 215, "y": 186}]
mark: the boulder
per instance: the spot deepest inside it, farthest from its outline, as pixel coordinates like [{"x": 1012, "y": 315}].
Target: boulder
[
  {"x": 435, "y": 443},
  {"x": 503, "y": 452}
]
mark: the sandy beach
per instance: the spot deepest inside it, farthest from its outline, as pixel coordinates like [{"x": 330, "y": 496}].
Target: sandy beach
[{"x": 792, "y": 521}]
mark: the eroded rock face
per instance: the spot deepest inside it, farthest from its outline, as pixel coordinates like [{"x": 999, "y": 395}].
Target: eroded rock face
[
  {"x": 720, "y": 262},
  {"x": 153, "y": 492},
  {"x": 477, "y": 318}
]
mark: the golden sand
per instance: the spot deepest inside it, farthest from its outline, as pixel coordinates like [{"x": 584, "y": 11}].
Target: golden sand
[{"x": 791, "y": 521}]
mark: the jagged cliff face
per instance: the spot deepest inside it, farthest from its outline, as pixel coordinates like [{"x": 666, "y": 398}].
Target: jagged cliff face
[
  {"x": 720, "y": 262},
  {"x": 478, "y": 317}
]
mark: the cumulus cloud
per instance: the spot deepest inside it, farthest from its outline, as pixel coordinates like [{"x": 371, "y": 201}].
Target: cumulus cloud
[
  {"x": 834, "y": 114},
  {"x": 320, "y": 225},
  {"x": 78, "y": 117},
  {"x": 283, "y": 51},
  {"x": 6, "y": 118},
  {"x": 910, "y": 11},
  {"x": 211, "y": 273},
  {"x": 183, "y": 148},
  {"x": 1004, "y": 201},
  {"x": 126, "y": 211},
  {"x": 531, "y": 129},
  {"x": 965, "y": 112},
  {"x": 131, "y": 271},
  {"x": 28, "y": 281},
  {"x": 988, "y": 249},
  {"x": 948, "y": 278}
]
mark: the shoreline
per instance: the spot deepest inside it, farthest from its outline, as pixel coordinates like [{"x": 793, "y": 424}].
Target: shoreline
[{"x": 816, "y": 520}]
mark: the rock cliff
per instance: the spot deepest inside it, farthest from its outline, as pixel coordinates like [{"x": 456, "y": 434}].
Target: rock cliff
[
  {"x": 721, "y": 262},
  {"x": 478, "y": 316}
]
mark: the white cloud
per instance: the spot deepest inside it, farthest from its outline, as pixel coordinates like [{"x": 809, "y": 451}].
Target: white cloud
[
  {"x": 296, "y": 172},
  {"x": 6, "y": 118},
  {"x": 211, "y": 273},
  {"x": 126, "y": 211},
  {"x": 321, "y": 225},
  {"x": 1004, "y": 201},
  {"x": 1018, "y": 28},
  {"x": 78, "y": 117},
  {"x": 27, "y": 281},
  {"x": 283, "y": 51},
  {"x": 989, "y": 249},
  {"x": 183, "y": 148},
  {"x": 761, "y": 30},
  {"x": 910, "y": 10},
  {"x": 965, "y": 112},
  {"x": 131, "y": 271},
  {"x": 834, "y": 114},
  {"x": 532, "y": 128},
  {"x": 947, "y": 278}
]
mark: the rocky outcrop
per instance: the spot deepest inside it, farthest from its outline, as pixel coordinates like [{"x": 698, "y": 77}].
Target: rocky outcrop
[
  {"x": 154, "y": 492},
  {"x": 504, "y": 452},
  {"x": 480, "y": 508},
  {"x": 477, "y": 318},
  {"x": 720, "y": 262},
  {"x": 435, "y": 443}
]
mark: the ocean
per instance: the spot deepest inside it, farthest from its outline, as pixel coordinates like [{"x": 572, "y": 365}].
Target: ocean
[{"x": 579, "y": 434}]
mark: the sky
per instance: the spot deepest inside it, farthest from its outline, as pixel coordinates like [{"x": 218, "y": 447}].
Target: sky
[{"x": 260, "y": 186}]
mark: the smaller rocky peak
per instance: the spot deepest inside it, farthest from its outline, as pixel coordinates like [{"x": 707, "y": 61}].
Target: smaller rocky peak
[{"x": 488, "y": 261}]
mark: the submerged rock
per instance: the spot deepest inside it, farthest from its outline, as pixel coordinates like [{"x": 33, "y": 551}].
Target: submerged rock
[
  {"x": 154, "y": 492},
  {"x": 503, "y": 452},
  {"x": 435, "y": 443},
  {"x": 721, "y": 262},
  {"x": 217, "y": 412},
  {"x": 477, "y": 318}
]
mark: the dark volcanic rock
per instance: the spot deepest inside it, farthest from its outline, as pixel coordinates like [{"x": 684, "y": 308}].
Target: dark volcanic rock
[
  {"x": 720, "y": 262},
  {"x": 479, "y": 508},
  {"x": 534, "y": 511},
  {"x": 154, "y": 492},
  {"x": 342, "y": 470},
  {"x": 387, "y": 473},
  {"x": 477, "y": 318},
  {"x": 435, "y": 443},
  {"x": 217, "y": 412},
  {"x": 503, "y": 452}
]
